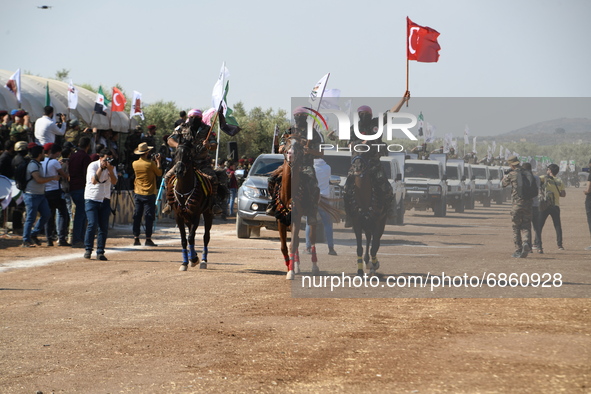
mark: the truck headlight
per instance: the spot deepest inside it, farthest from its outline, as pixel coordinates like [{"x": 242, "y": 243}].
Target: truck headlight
[
  {"x": 251, "y": 192},
  {"x": 434, "y": 190}
]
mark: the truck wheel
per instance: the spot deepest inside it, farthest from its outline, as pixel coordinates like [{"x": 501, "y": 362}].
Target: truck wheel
[
  {"x": 440, "y": 208},
  {"x": 242, "y": 229}
]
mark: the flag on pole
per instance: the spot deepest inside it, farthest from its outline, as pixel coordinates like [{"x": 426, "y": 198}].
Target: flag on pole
[
  {"x": 421, "y": 124},
  {"x": 318, "y": 90},
  {"x": 136, "y": 105},
  {"x": 474, "y": 145},
  {"x": 466, "y": 134},
  {"x": 331, "y": 99},
  {"x": 47, "y": 96},
  {"x": 422, "y": 43},
  {"x": 231, "y": 121},
  {"x": 118, "y": 103},
  {"x": 275, "y": 138},
  {"x": 101, "y": 103},
  {"x": 14, "y": 84},
  {"x": 217, "y": 95},
  {"x": 72, "y": 96}
]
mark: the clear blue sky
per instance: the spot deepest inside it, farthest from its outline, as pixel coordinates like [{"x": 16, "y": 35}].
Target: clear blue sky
[{"x": 173, "y": 50}]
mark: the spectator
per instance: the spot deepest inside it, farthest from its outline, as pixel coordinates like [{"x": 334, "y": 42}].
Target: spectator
[
  {"x": 79, "y": 162},
  {"x": 20, "y": 150},
  {"x": 6, "y": 158},
  {"x": 323, "y": 172},
  {"x": 53, "y": 193},
  {"x": 232, "y": 187},
  {"x": 73, "y": 132},
  {"x": 21, "y": 127},
  {"x": 145, "y": 188},
  {"x": 554, "y": 185},
  {"x": 100, "y": 176},
  {"x": 96, "y": 156},
  {"x": 34, "y": 197},
  {"x": 5, "y": 123},
  {"x": 181, "y": 120},
  {"x": 150, "y": 137},
  {"x": 46, "y": 128},
  {"x": 587, "y": 192},
  {"x": 535, "y": 218}
]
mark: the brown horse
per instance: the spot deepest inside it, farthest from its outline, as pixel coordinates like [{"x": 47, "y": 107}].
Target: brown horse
[
  {"x": 368, "y": 215},
  {"x": 189, "y": 193},
  {"x": 291, "y": 203}
]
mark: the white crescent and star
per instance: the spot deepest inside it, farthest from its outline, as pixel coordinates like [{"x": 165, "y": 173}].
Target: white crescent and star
[
  {"x": 410, "y": 48},
  {"x": 115, "y": 99}
]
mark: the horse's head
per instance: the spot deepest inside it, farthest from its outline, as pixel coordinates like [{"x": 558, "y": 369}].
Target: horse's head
[
  {"x": 294, "y": 150},
  {"x": 184, "y": 156},
  {"x": 359, "y": 165}
]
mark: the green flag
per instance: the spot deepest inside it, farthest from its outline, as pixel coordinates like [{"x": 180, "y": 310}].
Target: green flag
[
  {"x": 47, "y": 97},
  {"x": 230, "y": 119}
]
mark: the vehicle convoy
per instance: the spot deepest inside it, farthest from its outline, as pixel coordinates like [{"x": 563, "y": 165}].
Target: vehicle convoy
[
  {"x": 483, "y": 184},
  {"x": 340, "y": 162},
  {"x": 456, "y": 186},
  {"x": 496, "y": 188},
  {"x": 426, "y": 186}
]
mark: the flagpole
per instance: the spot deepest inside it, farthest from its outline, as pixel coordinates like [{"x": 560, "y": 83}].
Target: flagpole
[
  {"x": 217, "y": 150},
  {"x": 273, "y": 139}
]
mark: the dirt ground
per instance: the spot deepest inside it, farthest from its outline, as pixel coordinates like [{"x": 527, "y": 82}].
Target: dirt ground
[{"x": 136, "y": 324}]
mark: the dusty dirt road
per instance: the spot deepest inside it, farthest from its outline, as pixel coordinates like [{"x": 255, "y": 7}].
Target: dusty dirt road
[{"x": 136, "y": 324}]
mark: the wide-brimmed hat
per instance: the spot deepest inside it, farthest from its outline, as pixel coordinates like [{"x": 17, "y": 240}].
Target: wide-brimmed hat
[
  {"x": 513, "y": 160},
  {"x": 142, "y": 148}
]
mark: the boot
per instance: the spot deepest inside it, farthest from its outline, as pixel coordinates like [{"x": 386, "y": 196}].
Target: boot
[{"x": 166, "y": 209}]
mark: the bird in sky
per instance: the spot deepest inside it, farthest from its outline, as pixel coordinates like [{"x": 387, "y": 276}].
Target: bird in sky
[{"x": 44, "y": 7}]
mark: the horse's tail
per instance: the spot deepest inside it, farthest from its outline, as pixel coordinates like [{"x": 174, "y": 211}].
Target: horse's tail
[{"x": 335, "y": 213}]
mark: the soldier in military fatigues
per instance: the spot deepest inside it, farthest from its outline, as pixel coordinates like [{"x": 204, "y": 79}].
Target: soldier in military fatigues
[{"x": 521, "y": 210}]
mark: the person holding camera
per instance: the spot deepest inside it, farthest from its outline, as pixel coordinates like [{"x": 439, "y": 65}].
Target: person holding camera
[
  {"x": 145, "y": 187},
  {"x": 100, "y": 175},
  {"x": 46, "y": 128}
]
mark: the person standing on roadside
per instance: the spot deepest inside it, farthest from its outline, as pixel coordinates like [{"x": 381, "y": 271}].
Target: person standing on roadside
[
  {"x": 46, "y": 128},
  {"x": 535, "y": 213},
  {"x": 587, "y": 192},
  {"x": 79, "y": 162},
  {"x": 100, "y": 176},
  {"x": 521, "y": 206},
  {"x": 146, "y": 172},
  {"x": 553, "y": 184},
  {"x": 34, "y": 197},
  {"x": 54, "y": 194}
]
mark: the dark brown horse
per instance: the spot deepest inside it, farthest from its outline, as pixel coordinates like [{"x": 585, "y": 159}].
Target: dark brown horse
[
  {"x": 290, "y": 202},
  {"x": 189, "y": 194},
  {"x": 368, "y": 214}
]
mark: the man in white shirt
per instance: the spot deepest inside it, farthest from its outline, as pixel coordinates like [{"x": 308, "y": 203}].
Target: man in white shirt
[
  {"x": 100, "y": 176},
  {"x": 46, "y": 129},
  {"x": 323, "y": 173}
]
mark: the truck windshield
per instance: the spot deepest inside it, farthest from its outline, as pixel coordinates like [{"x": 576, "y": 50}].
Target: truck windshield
[
  {"x": 479, "y": 173},
  {"x": 339, "y": 165},
  {"x": 494, "y": 173},
  {"x": 452, "y": 173},
  {"x": 264, "y": 167},
  {"x": 421, "y": 170}
]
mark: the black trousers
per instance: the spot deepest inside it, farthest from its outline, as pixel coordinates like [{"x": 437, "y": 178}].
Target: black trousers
[
  {"x": 553, "y": 212},
  {"x": 588, "y": 210},
  {"x": 56, "y": 202}
]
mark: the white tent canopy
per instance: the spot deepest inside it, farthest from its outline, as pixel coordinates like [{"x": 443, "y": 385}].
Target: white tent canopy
[{"x": 33, "y": 100}]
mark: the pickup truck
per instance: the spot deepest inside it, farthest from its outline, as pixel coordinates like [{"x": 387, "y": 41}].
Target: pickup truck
[
  {"x": 456, "y": 186},
  {"x": 426, "y": 186},
  {"x": 496, "y": 188},
  {"x": 483, "y": 185}
]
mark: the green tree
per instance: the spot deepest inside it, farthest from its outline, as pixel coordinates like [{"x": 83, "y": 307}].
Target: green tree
[{"x": 62, "y": 75}]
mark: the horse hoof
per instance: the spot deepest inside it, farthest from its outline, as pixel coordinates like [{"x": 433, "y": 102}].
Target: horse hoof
[
  {"x": 296, "y": 268},
  {"x": 194, "y": 262},
  {"x": 183, "y": 268},
  {"x": 203, "y": 266},
  {"x": 315, "y": 270},
  {"x": 360, "y": 272},
  {"x": 290, "y": 275}
]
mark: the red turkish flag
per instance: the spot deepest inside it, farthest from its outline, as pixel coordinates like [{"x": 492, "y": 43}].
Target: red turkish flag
[
  {"x": 422, "y": 43},
  {"x": 118, "y": 103}
]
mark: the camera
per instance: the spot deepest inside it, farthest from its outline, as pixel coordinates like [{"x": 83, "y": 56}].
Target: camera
[
  {"x": 508, "y": 171},
  {"x": 109, "y": 160},
  {"x": 154, "y": 156}
]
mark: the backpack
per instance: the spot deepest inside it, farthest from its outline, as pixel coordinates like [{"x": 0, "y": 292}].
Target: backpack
[
  {"x": 526, "y": 185},
  {"x": 20, "y": 174},
  {"x": 546, "y": 196}
]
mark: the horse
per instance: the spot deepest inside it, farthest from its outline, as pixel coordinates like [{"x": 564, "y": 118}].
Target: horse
[
  {"x": 189, "y": 193},
  {"x": 289, "y": 199},
  {"x": 368, "y": 215}
]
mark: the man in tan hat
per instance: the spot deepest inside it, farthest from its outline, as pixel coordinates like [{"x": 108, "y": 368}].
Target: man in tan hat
[
  {"x": 522, "y": 201},
  {"x": 145, "y": 188}
]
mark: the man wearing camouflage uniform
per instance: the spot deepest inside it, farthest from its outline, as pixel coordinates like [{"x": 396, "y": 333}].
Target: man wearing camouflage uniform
[
  {"x": 369, "y": 126},
  {"x": 308, "y": 177},
  {"x": 521, "y": 210}
]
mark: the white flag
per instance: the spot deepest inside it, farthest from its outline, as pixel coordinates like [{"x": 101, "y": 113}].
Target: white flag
[
  {"x": 331, "y": 99},
  {"x": 72, "y": 96},
  {"x": 474, "y": 145},
  {"x": 318, "y": 90},
  {"x": 14, "y": 84},
  {"x": 136, "y": 105},
  {"x": 466, "y": 133},
  {"x": 429, "y": 133},
  {"x": 501, "y": 152},
  {"x": 494, "y": 148},
  {"x": 507, "y": 153},
  {"x": 217, "y": 95}
]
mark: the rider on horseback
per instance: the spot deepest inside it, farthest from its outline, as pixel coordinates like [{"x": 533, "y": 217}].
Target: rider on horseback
[
  {"x": 200, "y": 137},
  {"x": 311, "y": 151}
]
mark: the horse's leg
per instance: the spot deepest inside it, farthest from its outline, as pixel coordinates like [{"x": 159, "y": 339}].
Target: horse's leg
[
  {"x": 368, "y": 239},
  {"x": 295, "y": 242},
  {"x": 207, "y": 223},
  {"x": 285, "y": 251},
  {"x": 181, "y": 225},
  {"x": 315, "y": 269},
  {"x": 359, "y": 238},
  {"x": 192, "y": 253},
  {"x": 375, "y": 246}
]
